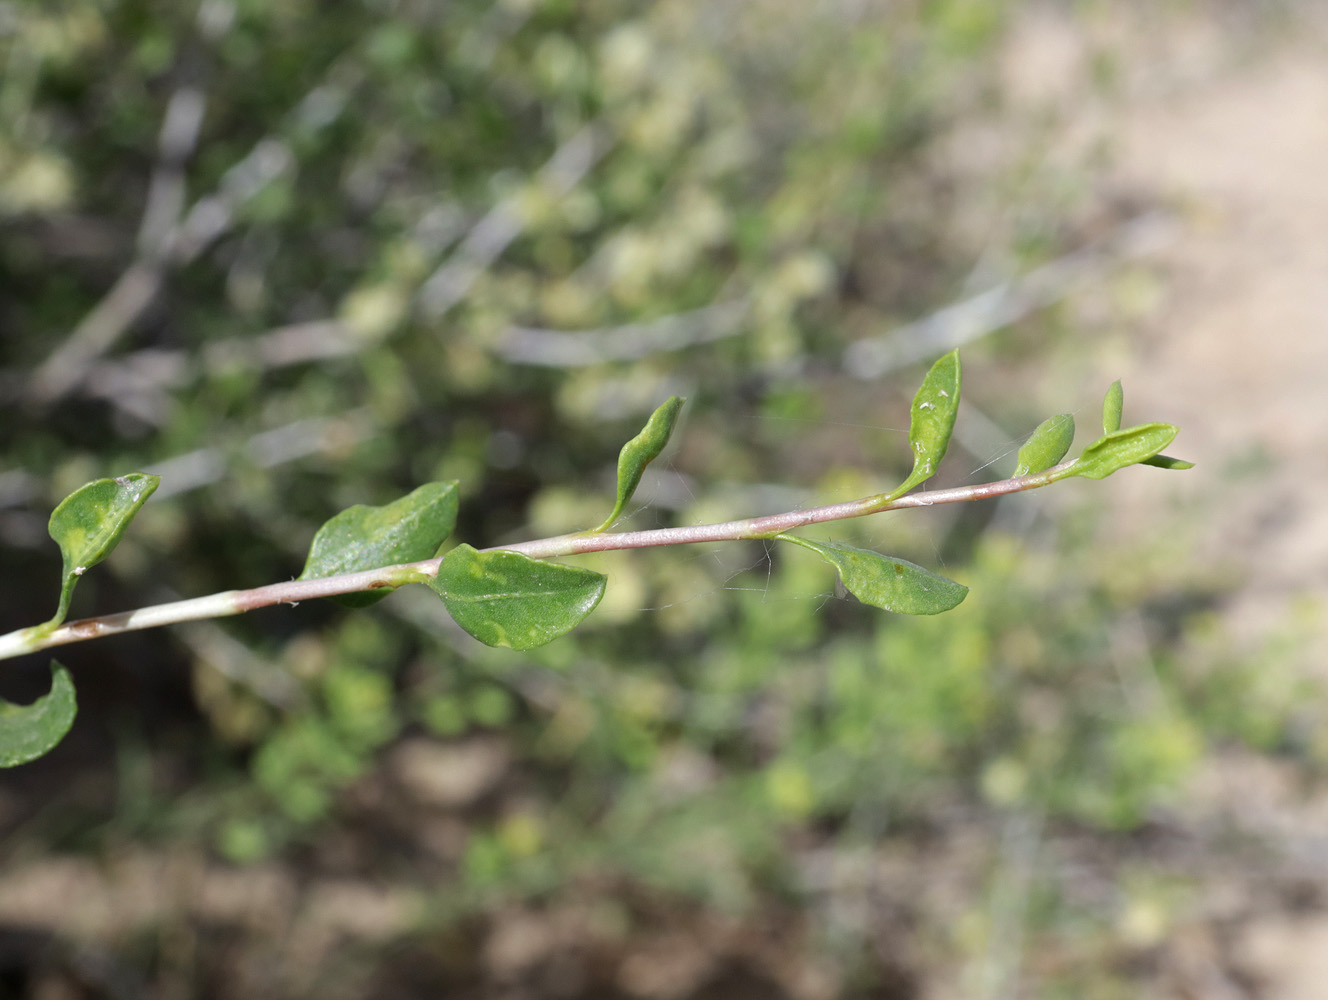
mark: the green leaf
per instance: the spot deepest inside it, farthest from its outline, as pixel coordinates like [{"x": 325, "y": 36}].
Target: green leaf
[
  {"x": 1112, "y": 408},
  {"x": 88, "y": 524},
  {"x": 1046, "y": 446},
  {"x": 508, "y": 599},
  {"x": 931, "y": 421},
  {"x": 364, "y": 537},
  {"x": 1115, "y": 451},
  {"x": 639, "y": 452},
  {"x": 884, "y": 582},
  {"x": 1167, "y": 462},
  {"x": 31, "y": 731}
]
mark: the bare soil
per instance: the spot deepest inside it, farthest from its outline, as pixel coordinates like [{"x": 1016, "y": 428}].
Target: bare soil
[{"x": 1235, "y": 351}]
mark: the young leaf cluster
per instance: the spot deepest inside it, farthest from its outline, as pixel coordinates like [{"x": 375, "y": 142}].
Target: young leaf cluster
[{"x": 515, "y": 596}]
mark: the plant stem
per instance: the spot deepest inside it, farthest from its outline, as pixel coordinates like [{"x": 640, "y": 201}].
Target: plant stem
[
  {"x": 771, "y": 524},
  {"x": 234, "y": 602}
]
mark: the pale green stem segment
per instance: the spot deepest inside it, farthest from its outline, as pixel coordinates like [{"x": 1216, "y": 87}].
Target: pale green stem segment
[
  {"x": 220, "y": 605},
  {"x": 375, "y": 534},
  {"x": 233, "y": 602},
  {"x": 505, "y": 596}
]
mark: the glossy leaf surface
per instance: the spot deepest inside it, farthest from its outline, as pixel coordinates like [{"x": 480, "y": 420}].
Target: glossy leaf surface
[
  {"x": 1112, "y": 408},
  {"x": 931, "y": 421},
  {"x": 639, "y": 452},
  {"x": 1046, "y": 446},
  {"x": 30, "y": 731},
  {"x": 1113, "y": 452},
  {"x": 89, "y": 523},
  {"x": 365, "y": 537},
  {"x": 508, "y": 599},
  {"x": 885, "y": 582}
]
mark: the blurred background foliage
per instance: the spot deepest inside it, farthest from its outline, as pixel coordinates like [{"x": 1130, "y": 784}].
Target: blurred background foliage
[{"x": 295, "y": 256}]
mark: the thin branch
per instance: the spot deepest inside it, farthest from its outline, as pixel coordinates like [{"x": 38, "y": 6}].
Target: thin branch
[
  {"x": 131, "y": 294},
  {"x": 219, "y": 650},
  {"x": 135, "y": 289},
  {"x": 166, "y": 190},
  {"x": 265, "y": 449},
  {"x": 972, "y": 318},
  {"x": 234, "y": 602},
  {"x": 170, "y": 238},
  {"x": 191, "y": 470},
  {"x": 153, "y": 372},
  {"x": 497, "y": 229},
  {"x": 628, "y": 342},
  {"x": 770, "y": 525}
]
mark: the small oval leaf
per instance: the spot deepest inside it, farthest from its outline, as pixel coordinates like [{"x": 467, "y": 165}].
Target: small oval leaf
[
  {"x": 508, "y": 599},
  {"x": 888, "y": 583},
  {"x": 1116, "y": 451},
  {"x": 31, "y": 731},
  {"x": 89, "y": 522},
  {"x": 1046, "y": 446},
  {"x": 931, "y": 421},
  {"x": 639, "y": 452},
  {"x": 365, "y": 537},
  {"x": 1112, "y": 408}
]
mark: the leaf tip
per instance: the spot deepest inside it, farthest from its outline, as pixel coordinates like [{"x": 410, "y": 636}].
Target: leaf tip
[{"x": 31, "y": 731}]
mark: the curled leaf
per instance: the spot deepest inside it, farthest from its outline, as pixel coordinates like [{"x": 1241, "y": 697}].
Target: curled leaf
[
  {"x": 508, "y": 599},
  {"x": 88, "y": 524},
  {"x": 885, "y": 582},
  {"x": 639, "y": 452},
  {"x": 1046, "y": 446},
  {"x": 931, "y": 421},
  {"x": 365, "y": 537},
  {"x": 1112, "y": 408},
  {"x": 31, "y": 731},
  {"x": 1115, "y": 451}
]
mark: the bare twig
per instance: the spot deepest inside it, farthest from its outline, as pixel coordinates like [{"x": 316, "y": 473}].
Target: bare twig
[
  {"x": 495, "y": 232},
  {"x": 628, "y": 342},
  {"x": 237, "y": 663},
  {"x": 167, "y": 240},
  {"x": 137, "y": 383},
  {"x": 135, "y": 289},
  {"x": 985, "y": 313},
  {"x": 266, "y": 449},
  {"x": 166, "y": 190},
  {"x": 131, "y": 294}
]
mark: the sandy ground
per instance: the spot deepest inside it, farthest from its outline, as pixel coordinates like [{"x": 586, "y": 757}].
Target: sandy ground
[{"x": 1236, "y": 353}]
